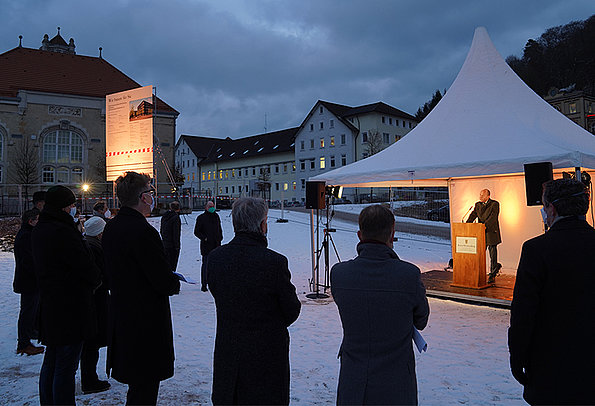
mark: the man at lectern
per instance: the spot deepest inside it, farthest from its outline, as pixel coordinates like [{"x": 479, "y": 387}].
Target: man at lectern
[{"x": 486, "y": 211}]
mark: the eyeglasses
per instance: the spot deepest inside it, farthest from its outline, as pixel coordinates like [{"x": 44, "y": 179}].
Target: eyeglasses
[{"x": 150, "y": 191}]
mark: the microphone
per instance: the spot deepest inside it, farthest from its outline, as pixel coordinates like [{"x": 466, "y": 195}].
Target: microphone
[{"x": 463, "y": 219}]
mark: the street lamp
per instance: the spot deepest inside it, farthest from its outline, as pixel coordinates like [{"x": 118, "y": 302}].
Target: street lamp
[{"x": 85, "y": 188}]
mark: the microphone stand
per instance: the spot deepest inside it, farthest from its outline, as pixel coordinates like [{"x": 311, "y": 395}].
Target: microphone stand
[{"x": 464, "y": 215}]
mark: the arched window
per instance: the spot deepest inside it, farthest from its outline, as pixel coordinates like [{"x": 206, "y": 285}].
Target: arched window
[{"x": 63, "y": 147}]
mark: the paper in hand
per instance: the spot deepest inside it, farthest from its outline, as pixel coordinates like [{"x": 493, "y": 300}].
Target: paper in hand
[
  {"x": 185, "y": 279},
  {"x": 419, "y": 341}
]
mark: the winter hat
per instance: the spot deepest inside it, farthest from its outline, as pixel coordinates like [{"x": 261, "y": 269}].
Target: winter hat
[
  {"x": 38, "y": 197},
  {"x": 94, "y": 226},
  {"x": 59, "y": 197}
]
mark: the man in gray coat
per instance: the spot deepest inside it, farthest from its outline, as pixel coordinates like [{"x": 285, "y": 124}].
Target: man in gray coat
[{"x": 380, "y": 299}]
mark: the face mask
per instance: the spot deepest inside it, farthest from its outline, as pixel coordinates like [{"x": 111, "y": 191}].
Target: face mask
[
  {"x": 211, "y": 210},
  {"x": 107, "y": 214},
  {"x": 152, "y": 203},
  {"x": 72, "y": 212}
]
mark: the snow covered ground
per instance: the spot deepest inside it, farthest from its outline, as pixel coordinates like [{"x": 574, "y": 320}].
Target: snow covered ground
[
  {"x": 357, "y": 208},
  {"x": 466, "y": 362}
]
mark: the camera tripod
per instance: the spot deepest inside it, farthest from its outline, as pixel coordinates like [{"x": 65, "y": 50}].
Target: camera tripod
[{"x": 322, "y": 249}]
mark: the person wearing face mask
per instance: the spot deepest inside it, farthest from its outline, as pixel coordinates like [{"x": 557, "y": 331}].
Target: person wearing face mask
[
  {"x": 208, "y": 230},
  {"x": 380, "y": 298},
  {"x": 551, "y": 315},
  {"x": 67, "y": 277},
  {"x": 101, "y": 210},
  {"x": 255, "y": 302},
  {"x": 140, "y": 335}
]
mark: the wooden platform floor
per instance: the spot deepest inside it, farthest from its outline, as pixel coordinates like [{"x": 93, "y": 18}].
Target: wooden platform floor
[{"x": 437, "y": 284}]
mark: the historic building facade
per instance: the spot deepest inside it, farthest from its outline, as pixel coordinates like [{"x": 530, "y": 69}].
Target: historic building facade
[{"x": 52, "y": 116}]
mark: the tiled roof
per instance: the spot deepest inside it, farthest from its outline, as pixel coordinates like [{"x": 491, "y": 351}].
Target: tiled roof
[
  {"x": 218, "y": 150},
  {"x": 379, "y": 107},
  {"x": 54, "y": 72}
]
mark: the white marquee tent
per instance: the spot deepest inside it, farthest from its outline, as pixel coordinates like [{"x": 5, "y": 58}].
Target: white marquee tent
[{"x": 487, "y": 126}]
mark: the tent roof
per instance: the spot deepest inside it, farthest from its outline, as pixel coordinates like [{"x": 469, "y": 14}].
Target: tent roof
[{"x": 488, "y": 123}]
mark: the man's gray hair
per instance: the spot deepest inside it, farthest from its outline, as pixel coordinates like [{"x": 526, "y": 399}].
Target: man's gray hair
[{"x": 247, "y": 213}]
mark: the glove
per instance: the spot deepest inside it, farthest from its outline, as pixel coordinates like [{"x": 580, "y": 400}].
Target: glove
[{"x": 518, "y": 371}]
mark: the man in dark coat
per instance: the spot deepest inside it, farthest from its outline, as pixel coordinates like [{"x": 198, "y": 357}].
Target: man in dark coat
[
  {"x": 486, "y": 211},
  {"x": 380, "y": 299},
  {"x": 90, "y": 382},
  {"x": 140, "y": 337},
  {"x": 25, "y": 283},
  {"x": 208, "y": 230},
  {"x": 170, "y": 234},
  {"x": 67, "y": 278},
  {"x": 101, "y": 210},
  {"x": 551, "y": 319},
  {"x": 256, "y": 302}
]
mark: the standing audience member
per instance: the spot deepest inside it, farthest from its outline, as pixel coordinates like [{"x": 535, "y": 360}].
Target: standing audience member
[
  {"x": 208, "y": 230},
  {"x": 551, "y": 317},
  {"x": 25, "y": 283},
  {"x": 100, "y": 209},
  {"x": 170, "y": 234},
  {"x": 90, "y": 382},
  {"x": 39, "y": 200},
  {"x": 380, "y": 299},
  {"x": 67, "y": 277},
  {"x": 140, "y": 337},
  {"x": 255, "y": 302}
]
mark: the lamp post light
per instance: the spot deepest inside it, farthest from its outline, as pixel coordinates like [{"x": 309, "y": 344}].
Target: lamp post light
[{"x": 85, "y": 189}]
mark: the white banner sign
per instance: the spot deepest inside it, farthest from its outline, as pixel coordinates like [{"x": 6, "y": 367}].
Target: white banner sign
[
  {"x": 466, "y": 245},
  {"x": 129, "y": 132}
]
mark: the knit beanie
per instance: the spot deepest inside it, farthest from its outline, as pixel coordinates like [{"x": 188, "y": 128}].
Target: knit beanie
[
  {"x": 94, "y": 226},
  {"x": 59, "y": 197}
]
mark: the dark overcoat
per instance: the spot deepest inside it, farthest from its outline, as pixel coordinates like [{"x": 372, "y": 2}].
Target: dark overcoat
[
  {"x": 140, "y": 338},
  {"x": 380, "y": 299},
  {"x": 170, "y": 229},
  {"x": 256, "y": 302},
  {"x": 487, "y": 213},
  {"x": 25, "y": 280},
  {"x": 552, "y": 322},
  {"x": 67, "y": 277},
  {"x": 208, "y": 230},
  {"x": 100, "y": 297}
]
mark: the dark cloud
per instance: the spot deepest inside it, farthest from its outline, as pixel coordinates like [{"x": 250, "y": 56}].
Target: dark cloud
[{"x": 225, "y": 64}]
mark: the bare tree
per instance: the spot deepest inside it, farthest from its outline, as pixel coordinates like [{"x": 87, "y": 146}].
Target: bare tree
[
  {"x": 374, "y": 143},
  {"x": 26, "y": 165},
  {"x": 264, "y": 182}
]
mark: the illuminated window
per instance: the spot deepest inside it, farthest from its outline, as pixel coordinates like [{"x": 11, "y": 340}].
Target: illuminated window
[
  {"x": 220, "y": 174},
  {"x": 203, "y": 176},
  {"x": 285, "y": 186},
  {"x": 226, "y": 174},
  {"x": 322, "y": 143},
  {"x": 332, "y": 143},
  {"x": 293, "y": 184},
  {"x": 293, "y": 167},
  {"x": 572, "y": 108},
  {"x": 233, "y": 173},
  {"x": 322, "y": 163}
]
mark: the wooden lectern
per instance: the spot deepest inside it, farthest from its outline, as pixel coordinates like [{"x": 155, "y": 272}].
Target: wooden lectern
[{"x": 469, "y": 255}]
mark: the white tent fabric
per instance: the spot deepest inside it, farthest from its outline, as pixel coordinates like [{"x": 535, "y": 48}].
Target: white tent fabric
[{"x": 488, "y": 123}]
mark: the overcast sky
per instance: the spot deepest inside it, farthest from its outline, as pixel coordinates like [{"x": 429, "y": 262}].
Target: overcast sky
[{"x": 225, "y": 64}]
